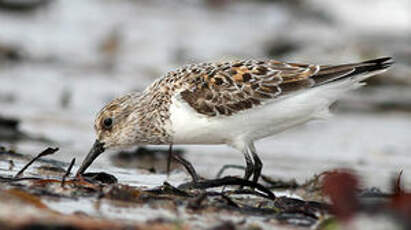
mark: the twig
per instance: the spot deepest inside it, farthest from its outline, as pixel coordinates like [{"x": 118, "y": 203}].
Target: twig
[
  {"x": 12, "y": 179},
  {"x": 246, "y": 192},
  {"x": 226, "y": 181},
  {"x": 63, "y": 180},
  {"x": 46, "y": 152},
  {"x": 167, "y": 188},
  {"x": 397, "y": 184},
  {"x": 188, "y": 166},
  {"x": 173, "y": 190},
  {"x": 225, "y": 167}
]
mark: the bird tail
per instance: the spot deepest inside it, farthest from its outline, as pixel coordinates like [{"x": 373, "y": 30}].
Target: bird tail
[{"x": 356, "y": 71}]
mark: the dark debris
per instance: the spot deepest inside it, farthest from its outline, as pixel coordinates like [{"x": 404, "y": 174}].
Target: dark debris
[
  {"x": 100, "y": 177},
  {"x": 228, "y": 194},
  {"x": 45, "y": 152}
]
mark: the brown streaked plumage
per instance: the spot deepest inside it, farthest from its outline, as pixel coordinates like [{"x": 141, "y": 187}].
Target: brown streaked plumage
[
  {"x": 233, "y": 103},
  {"x": 227, "y": 88}
]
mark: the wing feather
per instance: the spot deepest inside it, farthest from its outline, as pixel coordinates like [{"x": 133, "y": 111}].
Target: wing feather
[{"x": 227, "y": 88}]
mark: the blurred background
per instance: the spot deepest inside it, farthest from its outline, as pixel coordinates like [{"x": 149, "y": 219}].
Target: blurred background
[{"x": 61, "y": 61}]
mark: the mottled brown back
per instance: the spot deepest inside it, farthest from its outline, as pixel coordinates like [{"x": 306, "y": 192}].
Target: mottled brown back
[{"x": 226, "y": 88}]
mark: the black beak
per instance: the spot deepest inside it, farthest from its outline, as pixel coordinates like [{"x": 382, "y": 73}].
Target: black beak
[{"x": 95, "y": 151}]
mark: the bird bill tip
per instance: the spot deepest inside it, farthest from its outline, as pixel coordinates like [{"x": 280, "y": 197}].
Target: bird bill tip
[{"x": 95, "y": 151}]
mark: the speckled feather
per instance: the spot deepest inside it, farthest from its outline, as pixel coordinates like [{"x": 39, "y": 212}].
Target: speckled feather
[
  {"x": 230, "y": 87},
  {"x": 226, "y": 88}
]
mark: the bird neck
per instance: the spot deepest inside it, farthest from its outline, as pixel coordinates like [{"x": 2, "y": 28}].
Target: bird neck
[{"x": 153, "y": 118}]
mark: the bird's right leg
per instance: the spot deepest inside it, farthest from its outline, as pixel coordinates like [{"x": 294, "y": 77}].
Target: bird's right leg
[
  {"x": 258, "y": 165},
  {"x": 249, "y": 168}
]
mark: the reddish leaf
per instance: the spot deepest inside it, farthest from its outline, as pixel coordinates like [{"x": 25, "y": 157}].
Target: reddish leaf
[
  {"x": 341, "y": 187},
  {"x": 401, "y": 204}
]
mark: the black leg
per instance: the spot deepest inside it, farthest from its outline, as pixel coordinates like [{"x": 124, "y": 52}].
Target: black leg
[
  {"x": 188, "y": 166},
  {"x": 170, "y": 156},
  {"x": 249, "y": 168},
  {"x": 258, "y": 165}
]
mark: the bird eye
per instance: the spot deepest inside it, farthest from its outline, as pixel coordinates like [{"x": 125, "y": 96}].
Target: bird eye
[{"x": 108, "y": 123}]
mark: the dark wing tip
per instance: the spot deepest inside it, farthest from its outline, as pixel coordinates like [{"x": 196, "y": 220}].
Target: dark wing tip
[
  {"x": 380, "y": 63},
  {"x": 339, "y": 72}
]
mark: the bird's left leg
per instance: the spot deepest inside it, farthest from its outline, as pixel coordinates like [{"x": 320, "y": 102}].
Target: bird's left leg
[
  {"x": 244, "y": 146},
  {"x": 258, "y": 165}
]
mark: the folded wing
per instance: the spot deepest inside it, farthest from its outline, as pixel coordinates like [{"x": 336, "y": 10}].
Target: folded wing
[{"x": 227, "y": 88}]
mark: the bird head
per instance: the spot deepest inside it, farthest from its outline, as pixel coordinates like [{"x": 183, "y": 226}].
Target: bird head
[{"x": 116, "y": 127}]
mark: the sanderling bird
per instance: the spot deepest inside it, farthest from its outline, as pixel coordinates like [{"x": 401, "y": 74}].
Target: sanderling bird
[{"x": 233, "y": 103}]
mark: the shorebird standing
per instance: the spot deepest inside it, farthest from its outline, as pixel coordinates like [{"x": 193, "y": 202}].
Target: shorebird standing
[{"x": 233, "y": 103}]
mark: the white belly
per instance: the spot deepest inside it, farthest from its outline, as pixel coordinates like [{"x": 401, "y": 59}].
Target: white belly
[{"x": 189, "y": 127}]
